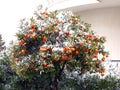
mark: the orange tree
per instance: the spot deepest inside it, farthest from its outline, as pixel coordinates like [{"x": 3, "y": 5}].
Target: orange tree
[{"x": 52, "y": 42}]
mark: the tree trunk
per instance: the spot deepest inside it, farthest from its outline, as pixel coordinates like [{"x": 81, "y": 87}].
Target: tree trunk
[{"x": 56, "y": 83}]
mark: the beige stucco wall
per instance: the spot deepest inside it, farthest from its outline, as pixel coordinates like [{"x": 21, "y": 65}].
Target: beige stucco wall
[{"x": 106, "y": 22}]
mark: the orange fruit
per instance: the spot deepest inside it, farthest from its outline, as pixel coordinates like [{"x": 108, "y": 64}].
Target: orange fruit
[
  {"x": 64, "y": 57},
  {"x": 61, "y": 52},
  {"x": 24, "y": 47},
  {"x": 44, "y": 64},
  {"x": 95, "y": 56},
  {"x": 27, "y": 35},
  {"x": 16, "y": 60},
  {"x": 73, "y": 49},
  {"x": 63, "y": 22},
  {"x": 23, "y": 52},
  {"x": 85, "y": 63},
  {"x": 67, "y": 33},
  {"x": 32, "y": 26},
  {"x": 44, "y": 39},
  {"x": 81, "y": 43},
  {"x": 48, "y": 66},
  {"x": 42, "y": 56},
  {"x": 76, "y": 52},
  {"x": 96, "y": 50},
  {"x": 32, "y": 61},
  {"x": 98, "y": 70},
  {"x": 103, "y": 59},
  {"x": 55, "y": 31},
  {"x": 46, "y": 16},
  {"x": 22, "y": 41},
  {"x": 68, "y": 51},
  {"x": 56, "y": 23},
  {"x": 42, "y": 31},
  {"x": 32, "y": 66},
  {"x": 31, "y": 31},
  {"x": 89, "y": 35},
  {"x": 103, "y": 69},
  {"x": 81, "y": 27},
  {"x": 65, "y": 49},
  {"x": 55, "y": 58},
  {"x": 48, "y": 48},
  {"x": 85, "y": 49},
  {"x": 97, "y": 62},
  {"x": 46, "y": 13},
  {"x": 43, "y": 49},
  {"x": 76, "y": 20},
  {"x": 38, "y": 30},
  {"x": 102, "y": 74},
  {"x": 33, "y": 37}
]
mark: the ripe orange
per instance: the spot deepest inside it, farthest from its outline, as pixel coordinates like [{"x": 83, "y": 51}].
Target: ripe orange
[
  {"x": 32, "y": 66},
  {"x": 38, "y": 30},
  {"x": 97, "y": 62},
  {"x": 48, "y": 48},
  {"x": 27, "y": 35},
  {"x": 23, "y": 52},
  {"x": 42, "y": 56},
  {"x": 33, "y": 37},
  {"x": 64, "y": 57},
  {"x": 89, "y": 35},
  {"x": 46, "y": 13},
  {"x": 80, "y": 63},
  {"x": 31, "y": 31},
  {"x": 46, "y": 16},
  {"x": 61, "y": 52},
  {"x": 16, "y": 60},
  {"x": 43, "y": 49},
  {"x": 95, "y": 56},
  {"x": 98, "y": 70},
  {"x": 32, "y": 61},
  {"x": 85, "y": 49},
  {"x": 85, "y": 63},
  {"x": 32, "y": 26},
  {"x": 22, "y": 41},
  {"x": 44, "y": 39},
  {"x": 68, "y": 51},
  {"x": 56, "y": 23},
  {"x": 55, "y": 31},
  {"x": 67, "y": 33},
  {"x": 65, "y": 49},
  {"x": 42, "y": 31},
  {"x": 48, "y": 66},
  {"x": 76, "y": 52},
  {"x": 81, "y": 27},
  {"x": 76, "y": 20},
  {"x": 96, "y": 50},
  {"x": 102, "y": 74},
  {"x": 103, "y": 59},
  {"x": 24, "y": 47},
  {"x": 44, "y": 64},
  {"x": 63, "y": 22},
  {"x": 81, "y": 43},
  {"x": 73, "y": 49},
  {"x": 103, "y": 69}
]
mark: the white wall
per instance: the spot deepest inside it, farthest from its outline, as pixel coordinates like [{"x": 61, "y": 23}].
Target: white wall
[{"x": 106, "y": 22}]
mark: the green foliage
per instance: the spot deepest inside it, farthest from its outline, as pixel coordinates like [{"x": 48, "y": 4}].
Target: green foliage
[
  {"x": 52, "y": 42},
  {"x": 2, "y": 46}
]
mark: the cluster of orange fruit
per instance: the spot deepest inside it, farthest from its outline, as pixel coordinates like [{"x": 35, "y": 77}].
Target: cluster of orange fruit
[{"x": 85, "y": 45}]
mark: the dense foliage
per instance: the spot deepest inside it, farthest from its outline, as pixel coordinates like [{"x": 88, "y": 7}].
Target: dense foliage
[
  {"x": 53, "y": 42},
  {"x": 1, "y": 44}
]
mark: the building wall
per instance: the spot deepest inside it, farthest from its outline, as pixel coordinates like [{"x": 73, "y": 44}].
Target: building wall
[{"x": 106, "y": 22}]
